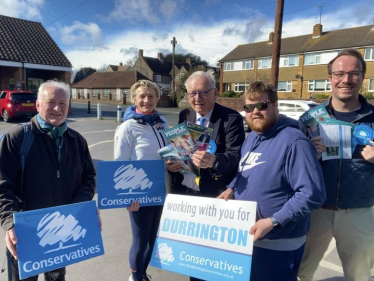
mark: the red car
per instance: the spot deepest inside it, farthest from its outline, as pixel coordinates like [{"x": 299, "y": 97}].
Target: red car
[{"x": 17, "y": 104}]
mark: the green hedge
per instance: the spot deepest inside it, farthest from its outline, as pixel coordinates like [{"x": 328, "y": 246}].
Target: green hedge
[{"x": 232, "y": 94}]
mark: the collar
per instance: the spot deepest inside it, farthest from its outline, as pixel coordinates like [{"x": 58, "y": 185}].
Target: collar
[{"x": 206, "y": 116}]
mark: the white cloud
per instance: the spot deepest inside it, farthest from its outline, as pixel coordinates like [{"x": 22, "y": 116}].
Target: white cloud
[
  {"x": 82, "y": 34},
  {"x": 26, "y": 9},
  {"x": 208, "y": 42},
  {"x": 134, "y": 11},
  {"x": 168, "y": 8}
]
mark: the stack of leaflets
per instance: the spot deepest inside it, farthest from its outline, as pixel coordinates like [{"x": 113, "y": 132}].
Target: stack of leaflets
[{"x": 184, "y": 140}]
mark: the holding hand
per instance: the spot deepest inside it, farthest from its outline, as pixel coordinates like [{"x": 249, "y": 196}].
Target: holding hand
[
  {"x": 134, "y": 206},
  {"x": 368, "y": 152},
  {"x": 203, "y": 159},
  {"x": 11, "y": 241},
  {"x": 172, "y": 166},
  {"x": 261, "y": 228},
  {"x": 318, "y": 144},
  {"x": 227, "y": 194}
]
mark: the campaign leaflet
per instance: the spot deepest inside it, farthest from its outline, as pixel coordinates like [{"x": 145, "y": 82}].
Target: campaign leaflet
[
  {"x": 201, "y": 135},
  {"x": 338, "y": 138},
  {"x": 55, "y": 237},
  {"x": 312, "y": 117},
  {"x": 181, "y": 139},
  {"x": 170, "y": 153}
]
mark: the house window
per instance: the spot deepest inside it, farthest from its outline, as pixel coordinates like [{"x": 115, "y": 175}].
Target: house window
[
  {"x": 33, "y": 84},
  {"x": 95, "y": 92},
  {"x": 247, "y": 64},
  {"x": 264, "y": 63},
  {"x": 290, "y": 60},
  {"x": 240, "y": 87},
  {"x": 285, "y": 86},
  {"x": 319, "y": 86},
  {"x": 12, "y": 84},
  {"x": 158, "y": 78},
  {"x": 228, "y": 66},
  {"x": 106, "y": 92},
  {"x": 371, "y": 85},
  {"x": 369, "y": 54}
]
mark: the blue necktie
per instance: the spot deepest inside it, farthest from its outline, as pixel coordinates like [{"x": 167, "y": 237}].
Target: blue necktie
[{"x": 202, "y": 120}]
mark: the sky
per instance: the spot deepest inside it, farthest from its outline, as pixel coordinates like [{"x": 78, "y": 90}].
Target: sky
[{"x": 94, "y": 33}]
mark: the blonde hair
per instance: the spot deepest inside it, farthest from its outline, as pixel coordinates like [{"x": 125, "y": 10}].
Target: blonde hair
[
  {"x": 257, "y": 88},
  {"x": 146, "y": 84}
]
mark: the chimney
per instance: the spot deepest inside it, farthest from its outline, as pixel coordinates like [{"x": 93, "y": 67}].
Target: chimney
[
  {"x": 317, "y": 30},
  {"x": 271, "y": 37},
  {"x": 140, "y": 53},
  {"x": 160, "y": 56},
  {"x": 188, "y": 60},
  {"x": 120, "y": 64}
]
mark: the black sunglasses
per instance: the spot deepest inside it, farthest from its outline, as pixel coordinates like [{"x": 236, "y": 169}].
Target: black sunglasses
[{"x": 248, "y": 108}]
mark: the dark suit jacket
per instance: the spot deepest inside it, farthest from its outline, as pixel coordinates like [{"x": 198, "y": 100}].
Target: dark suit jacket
[{"x": 229, "y": 136}]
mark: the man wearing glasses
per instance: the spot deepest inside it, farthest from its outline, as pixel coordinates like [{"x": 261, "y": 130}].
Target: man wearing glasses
[
  {"x": 218, "y": 169},
  {"x": 280, "y": 171},
  {"x": 347, "y": 214}
]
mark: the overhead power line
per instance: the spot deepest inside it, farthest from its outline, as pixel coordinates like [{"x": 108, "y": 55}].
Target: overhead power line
[{"x": 69, "y": 12}]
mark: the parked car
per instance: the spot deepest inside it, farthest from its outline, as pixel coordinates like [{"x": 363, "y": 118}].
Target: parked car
[
  {"x": 17, "y": 104},
  {"x": 294, "y": 108},
  {"x": 291, "y": 108}
]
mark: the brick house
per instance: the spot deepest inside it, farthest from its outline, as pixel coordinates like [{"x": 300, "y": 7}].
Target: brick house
[
  {"x": 303, "y": 61},
  {"x": 107, "y": 87},
  {"x": 29, "y": 56},
  {"x": 156, "y": 70},
  {"x": 120, "y": 67}
]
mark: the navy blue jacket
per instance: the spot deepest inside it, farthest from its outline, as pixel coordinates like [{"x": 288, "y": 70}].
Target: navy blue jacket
[
  {"x": 350, "y": 182},
  {"x": 280, "y": 171}
]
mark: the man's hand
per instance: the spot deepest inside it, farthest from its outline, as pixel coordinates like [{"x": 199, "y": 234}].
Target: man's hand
[
  {"x": 318, "y": 144},
  {"x": 368, "y": 152},
  {"x": 203, "y": 159},
  {"x": 98, "y": 215},
  {"x": 261, "y": 228},
  {"x": 11, "y": 241},
  {"x": 134, "y": 206},
  {"x": 172, "y": 166},
  {"x": 227, "y": 194}
]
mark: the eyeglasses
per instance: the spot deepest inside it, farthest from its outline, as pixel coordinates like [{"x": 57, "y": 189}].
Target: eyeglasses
[
  {"x": 339, "y": 75},
  {"x": 202, "y": 94},
  {"x": 248, "y": 108}
]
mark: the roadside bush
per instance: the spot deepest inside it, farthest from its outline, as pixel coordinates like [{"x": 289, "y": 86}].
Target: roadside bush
[
  {"x": 367, "y": 95},
  {"x": 321, "y": 96},
  {"x": 231, "y": 94}
]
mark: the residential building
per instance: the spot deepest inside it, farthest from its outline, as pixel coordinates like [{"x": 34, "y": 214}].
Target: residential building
[
  {"x": 156, "y": 70},
  {"x": 120, "y": 67},
  {"x": 303, "y": 61},
  {"x": 107, "y": 87},
  {"x": 29, "y": 56}
]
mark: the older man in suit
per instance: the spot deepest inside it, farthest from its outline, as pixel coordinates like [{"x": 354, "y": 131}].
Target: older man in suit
[{"x": 218, "y": 169}]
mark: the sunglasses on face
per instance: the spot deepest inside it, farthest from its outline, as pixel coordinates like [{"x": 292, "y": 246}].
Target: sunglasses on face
[{"x": 248, "y": 108}]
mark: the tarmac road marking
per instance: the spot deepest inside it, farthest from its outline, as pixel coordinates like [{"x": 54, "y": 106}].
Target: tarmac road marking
[
  {"x": 98, "y": 143},
  {"x": 332, "y": 266},
  {"x": 95, "y": 132}
]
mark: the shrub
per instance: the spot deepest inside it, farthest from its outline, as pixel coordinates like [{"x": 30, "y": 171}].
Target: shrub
[
  {"x": 321, "y": 96},
  {"x": 367, "y": 95},
  {"x": 231, "y": 94}
]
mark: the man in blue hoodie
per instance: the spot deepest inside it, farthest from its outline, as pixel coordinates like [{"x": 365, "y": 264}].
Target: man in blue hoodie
[{"x": 280, "y": 171}]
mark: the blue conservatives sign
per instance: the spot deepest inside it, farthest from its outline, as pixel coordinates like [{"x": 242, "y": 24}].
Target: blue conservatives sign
[
  {"x": 55, "y": 237},
  {"x": 119, "y": 183},
  {"x": 205, "y": 238}
]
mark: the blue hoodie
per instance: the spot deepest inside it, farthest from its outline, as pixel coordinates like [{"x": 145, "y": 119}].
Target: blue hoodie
[
  {"x": 280, "y": 171},
  {"x": 131, "y": 113}
]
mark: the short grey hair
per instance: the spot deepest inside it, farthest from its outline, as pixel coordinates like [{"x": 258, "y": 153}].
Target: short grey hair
[
  {"x": 52, "y": 83},
  {"x": 209, "y": 75}
]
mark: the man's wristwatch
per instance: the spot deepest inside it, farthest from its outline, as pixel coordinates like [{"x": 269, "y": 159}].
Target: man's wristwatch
[{"x": 274, "y": 222}]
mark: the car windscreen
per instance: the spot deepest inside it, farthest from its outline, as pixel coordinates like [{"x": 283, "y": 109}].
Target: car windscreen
[{"x": 23, "y": 97}]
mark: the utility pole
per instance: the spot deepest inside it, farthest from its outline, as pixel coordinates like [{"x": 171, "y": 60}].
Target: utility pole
[
  {"x": 277, "y": 43},
  {"x": 320, "y": 13},
  {"x": 173, "y": 42}
]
